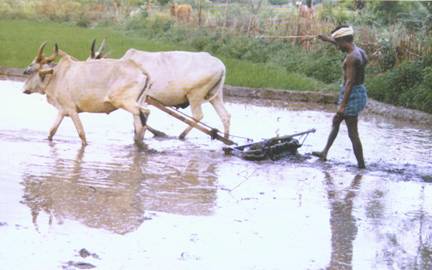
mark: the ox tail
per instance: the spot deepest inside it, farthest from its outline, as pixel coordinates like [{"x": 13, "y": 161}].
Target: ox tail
[
  {"x": 147, "y": 86},
  {"x": 141, "y": 96},
  {"x": 217, "y": 89}
]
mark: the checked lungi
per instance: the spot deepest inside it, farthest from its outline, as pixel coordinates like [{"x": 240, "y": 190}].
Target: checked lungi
[{"x": 357, "y": 100}]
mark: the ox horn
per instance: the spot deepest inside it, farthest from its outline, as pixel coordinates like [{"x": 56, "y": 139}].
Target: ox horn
[
  {"x": 100, "y": 50},
  {"x": 53, "y": 56},
  {"x": 92, "y": 50},
  {"x": 39, "y": 56}
]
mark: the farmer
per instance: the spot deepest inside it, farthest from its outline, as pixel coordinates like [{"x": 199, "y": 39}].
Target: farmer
[{"x": 352, "y": 94}]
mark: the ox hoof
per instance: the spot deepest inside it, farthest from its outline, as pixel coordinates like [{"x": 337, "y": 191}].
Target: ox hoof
[
  {"x": 182, "y": 136},
  {"x": 141, "y": 145}
]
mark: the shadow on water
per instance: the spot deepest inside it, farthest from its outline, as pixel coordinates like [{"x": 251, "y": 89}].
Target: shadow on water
[{"x": 116, "y": 195}]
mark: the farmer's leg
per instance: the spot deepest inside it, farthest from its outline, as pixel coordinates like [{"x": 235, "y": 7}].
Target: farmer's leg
[
  {"x": 351, "y": 122},
  {"x": 337, "y": 119}
]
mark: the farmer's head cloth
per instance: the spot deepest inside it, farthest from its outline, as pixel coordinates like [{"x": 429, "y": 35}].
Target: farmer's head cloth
[{"x": 342, "y": 32}]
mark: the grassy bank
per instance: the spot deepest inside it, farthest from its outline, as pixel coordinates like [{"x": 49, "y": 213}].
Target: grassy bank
[{"x": 19, "y": 40}]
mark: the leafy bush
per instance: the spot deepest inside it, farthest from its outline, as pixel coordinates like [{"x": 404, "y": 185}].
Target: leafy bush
[
  {"x": 83, "y": 21},
  {"x": 387, "y": 55},
  {"x": 155, "y": 25},
  {"x": 408, "y": 85},
  {"x": 335, "y": 14},
  {"x": 163, "y": 2},
  {"x": 199, "y": 40},
  {"x": 278, "y": 2}
]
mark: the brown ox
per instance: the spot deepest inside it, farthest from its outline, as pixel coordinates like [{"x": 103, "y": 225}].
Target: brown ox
[
  {"x": 305, "y": 11},
  {"x": 304, "y": 26},
  {"x": 97, "y": 86},
  {"x": 182, "y": 12}
]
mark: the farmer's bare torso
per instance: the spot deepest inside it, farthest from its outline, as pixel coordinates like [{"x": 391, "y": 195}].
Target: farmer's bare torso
[{"x": 360, "y": 60}]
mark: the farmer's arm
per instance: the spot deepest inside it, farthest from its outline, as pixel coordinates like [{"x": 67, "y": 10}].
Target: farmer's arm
[
  {"x": 327, "y": 39},
  {"x": 349, "y": 82}
]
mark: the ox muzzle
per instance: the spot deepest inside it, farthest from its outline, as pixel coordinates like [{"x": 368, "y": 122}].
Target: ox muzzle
[
  {"x": 27, "y": 92},
  {"x": 28, "y": 71}
]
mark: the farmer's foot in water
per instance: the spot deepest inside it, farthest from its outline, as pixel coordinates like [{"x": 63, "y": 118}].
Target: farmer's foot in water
[
  {"x": 322, "y": 156},
  {"x": 361, "y": 166}
]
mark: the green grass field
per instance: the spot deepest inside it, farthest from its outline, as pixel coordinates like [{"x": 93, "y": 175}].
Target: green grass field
[{"x": 20, "y": 39}]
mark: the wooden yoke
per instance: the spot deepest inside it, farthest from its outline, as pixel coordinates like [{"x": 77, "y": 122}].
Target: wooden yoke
[{"x": 213, "y": 133}]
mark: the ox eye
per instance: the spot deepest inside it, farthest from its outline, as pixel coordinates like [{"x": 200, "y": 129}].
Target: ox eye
[{"x": 29, "y": 70}]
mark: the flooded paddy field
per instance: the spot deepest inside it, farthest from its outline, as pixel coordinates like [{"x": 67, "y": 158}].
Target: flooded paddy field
[{"x": 185, "y": 205}]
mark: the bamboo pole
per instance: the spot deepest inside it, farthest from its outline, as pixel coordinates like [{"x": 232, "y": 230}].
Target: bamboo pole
[
  {"x": 199, "y": 13},
  {"x": 226, "y": 18},
  {"x": 288, "y": 37}
]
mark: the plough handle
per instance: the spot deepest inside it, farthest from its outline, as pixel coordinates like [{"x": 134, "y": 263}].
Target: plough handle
[{"x": 312, "y": 130}]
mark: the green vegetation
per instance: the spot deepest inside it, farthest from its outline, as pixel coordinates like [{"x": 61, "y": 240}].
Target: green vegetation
[
  {"x": 19, "y": 40},
  {"x": 408, "y": 85},
  {"x": 253, "y": 38}
]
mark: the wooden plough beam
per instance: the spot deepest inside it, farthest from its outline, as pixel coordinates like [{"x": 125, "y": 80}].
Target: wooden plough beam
[{"x": 213, "y": 133}]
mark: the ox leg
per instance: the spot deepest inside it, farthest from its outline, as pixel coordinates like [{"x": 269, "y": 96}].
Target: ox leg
[
  {"x": 144, "y": 114},
  {"x": 140, "y": 114},
  {"x": 156, "y": 133},
  {"x": 225, "y": 117},
  {"x": 55, "y": 126},
  {"x": 140, "y": 122},
  {"x": 197, "y": 115},
  {"x": 79, "y": 128},
  {"x": 139, "y": 129}
]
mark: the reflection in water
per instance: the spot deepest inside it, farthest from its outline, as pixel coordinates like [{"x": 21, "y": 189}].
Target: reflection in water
[
  {"x": 408, "y": 245},
  {"x": 114, "y": 194},
  {"x": 113, "y": 186},
  {"x": 342, "y": 223}
]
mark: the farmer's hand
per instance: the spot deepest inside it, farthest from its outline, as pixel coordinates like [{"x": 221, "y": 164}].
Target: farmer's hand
[
  {"x": 337, "y": 118},
  {"x": 341, "y": 109},
  {"x": 322, "y": 37}
]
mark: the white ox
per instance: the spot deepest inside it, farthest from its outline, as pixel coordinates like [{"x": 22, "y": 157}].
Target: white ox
[
  {"x": 97, "y": 86},
  {"x": 99, "y": 54},
  {"x": 185, "y": 78}
]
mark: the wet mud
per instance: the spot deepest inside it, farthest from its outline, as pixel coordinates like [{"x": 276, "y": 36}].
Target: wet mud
[{"x": 175, "y": 204}]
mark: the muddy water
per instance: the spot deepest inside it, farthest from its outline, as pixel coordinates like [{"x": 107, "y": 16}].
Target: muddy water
[{"x": 184, "y": 205}]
